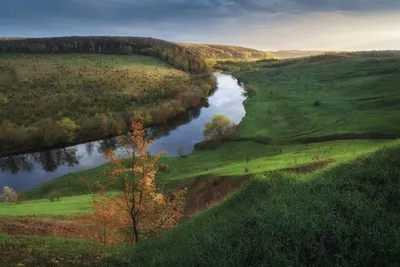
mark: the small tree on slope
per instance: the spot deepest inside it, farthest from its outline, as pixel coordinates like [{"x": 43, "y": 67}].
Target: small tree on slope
[
  {"x": 10, "y": 195},
  {"x": 139, "y": 207},
  {"x": 218, "y": 127}
]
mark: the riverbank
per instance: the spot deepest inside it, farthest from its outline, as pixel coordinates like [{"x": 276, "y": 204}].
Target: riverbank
[
  {"x": 58, "y": 100},
  {"x": 281, "y": 110},
  {"x": 175, "y": 137}
]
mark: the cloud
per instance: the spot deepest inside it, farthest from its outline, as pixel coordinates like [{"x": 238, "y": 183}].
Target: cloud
[{"x": 257, "y": 23}]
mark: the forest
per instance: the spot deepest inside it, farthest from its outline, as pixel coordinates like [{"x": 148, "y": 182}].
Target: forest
[{"x": 55, "y": 99}]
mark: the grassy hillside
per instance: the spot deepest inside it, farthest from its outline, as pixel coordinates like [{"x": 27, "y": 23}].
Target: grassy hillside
[
  {"x": 303, "y": 110},
  {"x": 284, "y": 54},
  {"x": 357, "y": 109},
  {"x": 99, "y": 93},
  {"x": 345, "y": 215}
]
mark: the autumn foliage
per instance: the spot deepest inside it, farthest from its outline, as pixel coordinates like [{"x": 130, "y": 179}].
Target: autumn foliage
[{"x": 139, "y": 210}]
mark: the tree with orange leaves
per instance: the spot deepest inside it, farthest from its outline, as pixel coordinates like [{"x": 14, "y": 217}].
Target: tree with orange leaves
[{"x": 140, "y": 208}]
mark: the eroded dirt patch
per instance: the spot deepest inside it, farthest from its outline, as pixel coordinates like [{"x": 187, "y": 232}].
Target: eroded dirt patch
[{"x": 207, "y": 191}]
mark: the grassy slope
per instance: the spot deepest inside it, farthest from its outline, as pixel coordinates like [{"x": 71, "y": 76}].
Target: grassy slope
[
  {"x": 283, "y": 54},
  {"x": 357, "y": 95},
  {"x": 345, "y": 215}
]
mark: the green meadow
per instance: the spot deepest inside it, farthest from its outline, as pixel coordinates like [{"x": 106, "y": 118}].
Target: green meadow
[{"x": 337, "y": 114}]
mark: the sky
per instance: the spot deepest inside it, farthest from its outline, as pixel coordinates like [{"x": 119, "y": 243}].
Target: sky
[{"x": 260, "y": 24}]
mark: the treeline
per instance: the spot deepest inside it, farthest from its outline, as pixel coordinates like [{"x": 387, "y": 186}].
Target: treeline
[
  {"x": 172, "y": 53},
  {"x": 226, "y": 52}
]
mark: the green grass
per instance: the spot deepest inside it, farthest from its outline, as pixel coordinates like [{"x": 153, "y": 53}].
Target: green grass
[
  {"x": 41, "y": 207},
  {"x": 48, "y": 251},
  {"x": 344, "y": 215},
  {"x": 358, "y": 96},
  {"x": 230, "y": 159}
]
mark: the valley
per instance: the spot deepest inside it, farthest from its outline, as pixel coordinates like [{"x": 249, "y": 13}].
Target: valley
[{"x": 313, "y": 166}]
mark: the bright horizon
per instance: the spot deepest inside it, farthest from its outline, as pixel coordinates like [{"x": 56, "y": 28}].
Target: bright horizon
[{"x": 268, "y": 25}]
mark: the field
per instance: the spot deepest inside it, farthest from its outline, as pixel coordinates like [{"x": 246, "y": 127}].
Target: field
[
  {"x": 99, "y": 93},
  {"x": 317, "y": 153},
  {"x": 66, "y": 206}
]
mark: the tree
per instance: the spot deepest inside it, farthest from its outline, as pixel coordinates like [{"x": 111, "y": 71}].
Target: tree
[
  {"x": 139, "y": 207},
  {"x": 10, "y": 195},
  {"x": 68, "y": 128},
  {"x": 3, "y": 100},
  {"x": 218, "y": 127}
]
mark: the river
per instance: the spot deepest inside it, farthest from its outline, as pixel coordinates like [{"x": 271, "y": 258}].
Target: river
[{"x": 25, "y": 171}]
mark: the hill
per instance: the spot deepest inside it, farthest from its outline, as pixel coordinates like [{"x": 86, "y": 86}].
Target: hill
[
  {"x": 345, "y": 215},
  {"x": 57, "y": 99},
  {"x": 166, "y": 51}
]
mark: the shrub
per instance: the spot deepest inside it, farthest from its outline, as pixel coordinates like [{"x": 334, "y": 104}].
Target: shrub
[
  {"x": 20, "y": 197},
  {"x": 163, "y": 167},
  {"x": 54, "y": 196},
  {"x": 218, "y": 127},
  {"x": 317, "y": 103},
  {"x": 10, "y": 195},
  {"x": 249, "y": 91},
  {"x": 262, "y": 137}
]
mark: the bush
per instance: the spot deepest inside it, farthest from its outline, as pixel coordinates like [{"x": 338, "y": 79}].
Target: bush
[
  {"x": 55, "y": 196},
  {"x": 10, "y": 195},
  {"x": 163, "y": 167},
  {"x": 317, "y": 103},
  {"x": 262, "y": 137},
  {"x": 20, "y": 197},
  {"x": 218, "y": 127},
  {"x": 249, "y": 90}
]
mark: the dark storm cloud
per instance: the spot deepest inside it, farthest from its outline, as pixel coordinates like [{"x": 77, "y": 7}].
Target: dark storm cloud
[
  {"x": 290, "y": 6},
  {"x": 255, "y": 23},
  {"x": 32, "y": 13}
]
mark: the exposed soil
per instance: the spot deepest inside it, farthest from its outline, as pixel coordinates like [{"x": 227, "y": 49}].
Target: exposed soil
[{"x": 207, "y": 191}]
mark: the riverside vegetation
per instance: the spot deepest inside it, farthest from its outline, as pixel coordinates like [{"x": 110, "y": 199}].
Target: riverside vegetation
[
  {"x": 57, "y": 91},
  {"x": 316, "y": 149}
]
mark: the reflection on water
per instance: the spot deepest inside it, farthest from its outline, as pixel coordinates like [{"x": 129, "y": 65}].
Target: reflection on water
[{"x": 23, "y": 172}]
